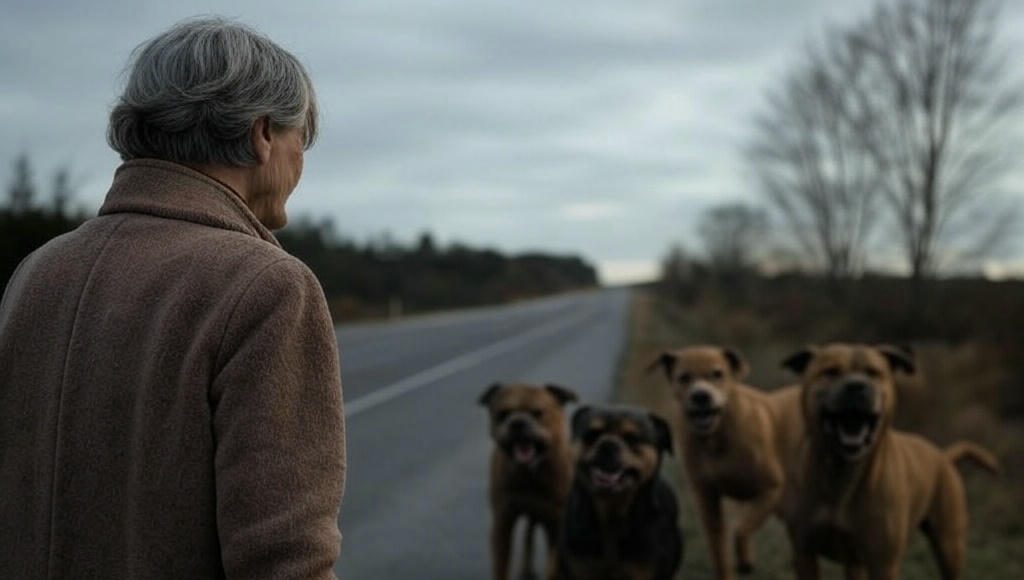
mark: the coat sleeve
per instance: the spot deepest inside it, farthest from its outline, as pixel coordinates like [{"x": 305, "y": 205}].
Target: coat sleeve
[{"x": 279, "y": 430}]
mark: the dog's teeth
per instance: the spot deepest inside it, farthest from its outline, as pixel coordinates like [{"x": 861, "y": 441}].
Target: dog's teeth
[{"x": 858, "y": 438}]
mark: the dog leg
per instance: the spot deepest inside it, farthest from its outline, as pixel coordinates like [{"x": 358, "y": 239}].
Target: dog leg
[
  {"x": 889, "y": 571},
  {"x": 754, "y": 517},
  {"x": 805, "y": 563},
  {"x": 948, "y": 550},
  {"x": 806, "y": 567},
  {"x": 501, "y": 544},
  {"x": 552, "y": 569},
  {"x": 948, "y": 554},
  {"x": 710, "y": 505},
  {"x": 946, "y": 524},
  {"x": 526, "y": 571}
]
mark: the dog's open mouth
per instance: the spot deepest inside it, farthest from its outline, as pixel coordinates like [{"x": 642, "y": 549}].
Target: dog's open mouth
[
  {"x": 703, "y": 418},
  {"x": 611, "y": 479},
  {"x": 525, "y": 452},
  {"x": 853, "y": 432}
]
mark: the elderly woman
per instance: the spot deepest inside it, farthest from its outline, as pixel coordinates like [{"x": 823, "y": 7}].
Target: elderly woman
[{"x": 170, "y": 400}]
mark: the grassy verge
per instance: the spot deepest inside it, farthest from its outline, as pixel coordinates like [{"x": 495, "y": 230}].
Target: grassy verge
[{"x": 958, "y": 403}]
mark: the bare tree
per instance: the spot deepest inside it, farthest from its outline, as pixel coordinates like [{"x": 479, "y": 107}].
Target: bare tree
[
  {"x": 808, "y": 155},
  {"x": 733, "y": 234},
  {"x": 676, "y": 265},
  {"x": 937, "y": 100},
  {"x": 680, "y": 274}
]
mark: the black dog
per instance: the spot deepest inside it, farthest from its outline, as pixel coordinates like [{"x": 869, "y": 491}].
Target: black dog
[{"x": 621, "y": 517}]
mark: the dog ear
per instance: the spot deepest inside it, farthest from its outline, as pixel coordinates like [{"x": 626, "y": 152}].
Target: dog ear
[
  {"x": 662, "y": 433},
  {"x": 579, "y": 421},
  {"x": 666, "y": 361},
  {"x": 798, "y": 361},
  {"x": 905, "y": 349},
  {"x": 901, "y": 357},
  {"x": 736, "y": 362},
  {"x": 485, "y": 398},
  {"x": 562, "y": 394}
]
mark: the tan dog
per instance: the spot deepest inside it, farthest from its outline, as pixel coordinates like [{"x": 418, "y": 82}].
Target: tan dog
[
  {"x": 736, "y": 442},
  {"x": 531, "y": 468},
  {"x": 864, "y": 487}
]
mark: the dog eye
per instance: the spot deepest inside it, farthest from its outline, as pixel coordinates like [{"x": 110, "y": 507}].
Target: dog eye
[
  {"x": 537, "y": 413},
  {"x": 631, "y": 439},
  {"x": 685, "y": 378},
  {"x": 501, "y": 416},
  {"x": 873, "y": 372},
  {"x": 717, "y": 374},
  {"x": 590, "y": 435}
]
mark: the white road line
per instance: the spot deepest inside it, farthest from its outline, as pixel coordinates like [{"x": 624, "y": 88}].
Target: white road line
[{"x": 452, "y": 366}]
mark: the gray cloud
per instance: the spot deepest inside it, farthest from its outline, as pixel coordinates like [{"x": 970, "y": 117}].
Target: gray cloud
[{"x": 600, "y": 127}]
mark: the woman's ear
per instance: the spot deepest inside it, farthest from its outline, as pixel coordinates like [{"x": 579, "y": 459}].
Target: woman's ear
[{"x": 261, "y": 137}]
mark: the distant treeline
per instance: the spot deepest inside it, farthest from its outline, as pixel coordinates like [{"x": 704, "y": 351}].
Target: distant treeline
[
  {"x": 361, "y": 279},
  {"x": 381, "y": 277}
]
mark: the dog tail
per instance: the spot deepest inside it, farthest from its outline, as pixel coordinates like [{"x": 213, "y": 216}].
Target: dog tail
[{"x": 976, "y": 453}]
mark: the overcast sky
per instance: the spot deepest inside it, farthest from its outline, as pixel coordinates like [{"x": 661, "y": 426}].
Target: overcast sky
[{"x": 594, "y": 127}]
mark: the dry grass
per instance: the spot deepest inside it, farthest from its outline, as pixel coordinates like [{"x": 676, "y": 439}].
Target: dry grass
[{"x": 960, "y": 401}]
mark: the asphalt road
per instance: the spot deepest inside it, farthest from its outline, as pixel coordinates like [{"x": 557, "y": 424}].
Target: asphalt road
[{"x": 415, "y": 506}]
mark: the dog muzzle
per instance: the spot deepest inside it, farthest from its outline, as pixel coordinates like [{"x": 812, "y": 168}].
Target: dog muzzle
[{"x": 852, "y": 432}]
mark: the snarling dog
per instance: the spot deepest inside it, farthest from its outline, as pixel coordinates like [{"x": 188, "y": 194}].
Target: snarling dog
[
  {"x": 736, "y": 442},
  {"x": 864, "y": 486},
  {"x": 531, "y": 469},
  {"x": 621, "y": 517}
]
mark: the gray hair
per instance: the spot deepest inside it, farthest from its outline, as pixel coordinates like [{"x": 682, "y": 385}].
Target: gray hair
[{"x": 195, "y": 91}]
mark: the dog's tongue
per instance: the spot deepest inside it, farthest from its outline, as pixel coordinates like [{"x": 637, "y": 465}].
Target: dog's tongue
[{"x": 524, "y": 453}]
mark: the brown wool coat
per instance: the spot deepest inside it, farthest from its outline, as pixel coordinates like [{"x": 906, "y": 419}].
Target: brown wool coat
[{"x": 170, "y": 399}]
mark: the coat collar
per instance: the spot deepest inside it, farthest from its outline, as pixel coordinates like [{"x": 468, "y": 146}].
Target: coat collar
[{"x": 169, "y": 190}]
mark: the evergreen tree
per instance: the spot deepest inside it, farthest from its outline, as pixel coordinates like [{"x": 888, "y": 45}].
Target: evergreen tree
[{"x": 21, "y": 190}]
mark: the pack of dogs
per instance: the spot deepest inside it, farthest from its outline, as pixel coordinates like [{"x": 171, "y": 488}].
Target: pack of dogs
[{"x": 822, "y": 455}]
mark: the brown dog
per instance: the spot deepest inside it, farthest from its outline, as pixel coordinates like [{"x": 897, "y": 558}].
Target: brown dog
[
  {"x": 531, "y": 469},
  {"x": 863, "y": 486},
  {"x": 736, "y": 442}
]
